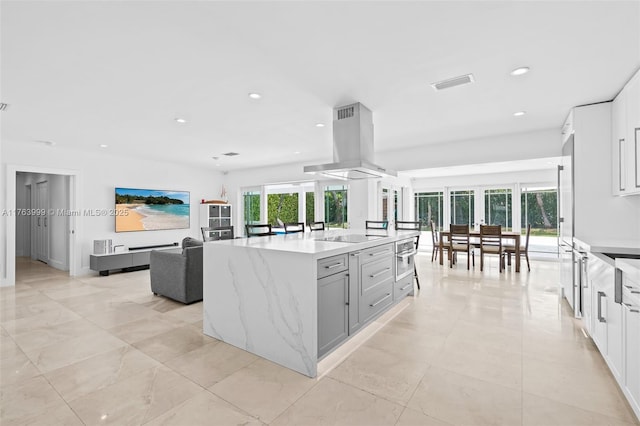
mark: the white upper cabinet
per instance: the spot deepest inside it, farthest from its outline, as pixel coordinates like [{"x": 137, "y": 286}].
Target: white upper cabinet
[
  {"x": 633, "y": 134},
  {"x": 625, "y": 139},
  {"x": 619, "y": 143}
]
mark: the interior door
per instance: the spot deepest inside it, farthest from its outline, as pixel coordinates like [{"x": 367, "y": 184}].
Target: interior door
[{"x": 42, "y": 221}]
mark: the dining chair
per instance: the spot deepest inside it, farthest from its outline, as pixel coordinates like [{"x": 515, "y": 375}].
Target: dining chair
[
  {"x": 411, "y": 226},
  {"x": 459, "y": 243},
  {"x": 376, "y": 224},
  {"x": 258, "y": 230},
  {"x": 435, "y": 240},
  {"x": 292, "y": 228},
  {"x": 214, "y": 233},
  {"x": 524, "y": 250},
  {"x": 491, "y": 243},
  {"x": 316, "y": 226}
]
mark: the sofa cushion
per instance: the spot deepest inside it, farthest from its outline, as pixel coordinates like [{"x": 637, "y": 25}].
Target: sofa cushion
[{"x": 190, "y": 242}]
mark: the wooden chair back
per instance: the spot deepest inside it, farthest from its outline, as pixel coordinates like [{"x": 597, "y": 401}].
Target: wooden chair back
[{"x": 491, "y": 238}]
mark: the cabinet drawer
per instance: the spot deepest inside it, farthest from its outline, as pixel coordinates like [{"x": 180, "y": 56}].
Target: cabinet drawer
[
  {"x": 376, "y": 301},
  {"x": 376, "y": 274},
  {"x": 403, "y": 287},
  {"x": 332, "y": 265},
  {"x": 376, "y": 253}
]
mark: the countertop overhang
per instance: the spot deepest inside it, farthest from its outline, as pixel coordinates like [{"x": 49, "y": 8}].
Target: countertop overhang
[
  {"x": 629, "y": 247},
  {"x": 313, "y": 243}
]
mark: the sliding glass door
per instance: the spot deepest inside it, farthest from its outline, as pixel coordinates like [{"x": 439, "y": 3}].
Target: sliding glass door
[
  {"x": 462, "y": 207},
  {"x": 539, "y": 208},
  {"x": 498, "y": 208},
  {"x": 335, "y": 206}
]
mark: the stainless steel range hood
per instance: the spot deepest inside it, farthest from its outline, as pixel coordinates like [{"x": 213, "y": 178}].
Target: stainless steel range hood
[{"x": 352, "y": 146}]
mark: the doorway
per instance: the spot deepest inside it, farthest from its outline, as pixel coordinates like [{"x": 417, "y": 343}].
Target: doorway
[{"x": 69, "y": 235}]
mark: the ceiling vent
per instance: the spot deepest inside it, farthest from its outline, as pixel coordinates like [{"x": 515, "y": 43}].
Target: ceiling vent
[
  {"x": 230, "y": 154},
  {"x": 453, "y": 82},
  {"x": 3, "y": 106}
]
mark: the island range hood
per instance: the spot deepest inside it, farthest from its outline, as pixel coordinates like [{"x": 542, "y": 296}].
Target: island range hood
[{"x": 352, "y": 146}]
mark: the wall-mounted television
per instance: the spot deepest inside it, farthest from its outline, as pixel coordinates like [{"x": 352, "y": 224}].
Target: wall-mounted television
[{"x": 151, "y": 209}]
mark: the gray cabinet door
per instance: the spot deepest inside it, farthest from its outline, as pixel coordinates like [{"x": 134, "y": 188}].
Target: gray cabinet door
[{"x": 333, "y": 311}]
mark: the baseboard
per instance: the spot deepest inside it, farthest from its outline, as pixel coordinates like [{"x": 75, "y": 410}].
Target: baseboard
[{"x": 57, "y": 264}]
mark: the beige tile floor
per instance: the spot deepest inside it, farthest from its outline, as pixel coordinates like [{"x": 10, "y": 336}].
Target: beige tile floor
[{"x": 471, "y": 348}]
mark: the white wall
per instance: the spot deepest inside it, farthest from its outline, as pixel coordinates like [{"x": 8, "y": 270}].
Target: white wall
[
  {"x": 520, "y": 146},
  {"x": 486, "y": 179},
  {"x": 523, "y": 146},
  {"x": 98, "y": 173}
]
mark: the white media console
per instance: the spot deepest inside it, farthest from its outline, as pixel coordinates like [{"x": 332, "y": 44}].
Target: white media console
[{"x": 134, "y": 259}]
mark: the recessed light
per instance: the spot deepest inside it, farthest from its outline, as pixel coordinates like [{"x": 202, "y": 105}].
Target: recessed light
[
  {"x": 319, "y": 124},
  {"x": 520, "y": 71},
  {"x": 296, "y": 152},
  {"x": 181, "y": 120},
  {"x": 103, "y": 145},
  {"x": 217, "y": 164},
  {"x": 255, "y": 95},
  {"x": 519, "y": 113}
]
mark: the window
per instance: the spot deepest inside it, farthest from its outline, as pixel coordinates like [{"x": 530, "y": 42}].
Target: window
[
  {"x": 251, "y": 201},
  {"x": 462, "y": 207},
  {"x": 539, "y": 207},
  {"x": 385, "y": 204},
  {"x": 395, "y": 205},
  {"x": 497, "y": 208},
  {"x": 335, "y": 206},
  {"x": 282, "y": 208},
  {"x": 428, "y": 207},
  {"x": 310, "y": 206}
]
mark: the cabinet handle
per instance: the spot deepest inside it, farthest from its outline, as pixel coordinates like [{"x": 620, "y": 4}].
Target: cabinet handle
[
  {"x": 380, "y": 301},
  {"x": 600, "y": 296},
  {"x": 632, "y": 289},
  {"x": 406, "y": 287},
  {"x": 379, "y": 273},
  {"x": 378, "y": 253},
  {"x": 631, "y": 308},
  {"x": 355, "y": 254},
  {"x": 335, "y": 265}
]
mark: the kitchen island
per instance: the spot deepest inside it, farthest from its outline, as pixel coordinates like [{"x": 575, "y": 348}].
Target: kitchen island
[{"x": 293, "y": 298}]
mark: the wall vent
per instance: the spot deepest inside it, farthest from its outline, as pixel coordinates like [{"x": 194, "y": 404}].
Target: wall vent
[
  {"x": 345, "y": 112},
  {"x": 453, "y": 82},
  {"x": 3, "y": 106},
  {"x": 230, "y": 154}
]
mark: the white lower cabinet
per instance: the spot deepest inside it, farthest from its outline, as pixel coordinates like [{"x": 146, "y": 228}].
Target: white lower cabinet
[
  {"x": 601, "y": 281},
  {"x": 631, "y": 334},
  {"x": 615, "y": 324},
  {"x": 632, "y": 355},
  {"x": 615, "y": 337}
]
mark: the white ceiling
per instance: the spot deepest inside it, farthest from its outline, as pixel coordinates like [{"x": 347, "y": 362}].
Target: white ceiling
[{"x": 81, "y": 74}]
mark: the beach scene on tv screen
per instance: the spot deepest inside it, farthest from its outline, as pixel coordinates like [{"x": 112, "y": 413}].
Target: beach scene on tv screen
[{"x": 150, "y": 209}]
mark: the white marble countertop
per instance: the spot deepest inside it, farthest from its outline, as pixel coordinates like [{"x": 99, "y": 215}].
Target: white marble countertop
[
  {"x": 312, "y": 242},
  {"x": 612, "y": 246},
  {"x": 630, "y": 267}
]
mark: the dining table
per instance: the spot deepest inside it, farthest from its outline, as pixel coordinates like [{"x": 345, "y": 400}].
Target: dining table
[{"x": 476, "y": 234}]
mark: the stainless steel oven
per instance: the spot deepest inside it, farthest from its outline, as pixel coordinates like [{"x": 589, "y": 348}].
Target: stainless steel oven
[{"x": 405, "y": 253}]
